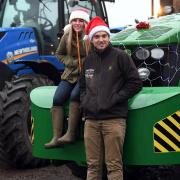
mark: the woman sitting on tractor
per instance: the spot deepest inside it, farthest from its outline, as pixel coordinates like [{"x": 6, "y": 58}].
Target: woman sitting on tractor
[{"x": 71, "y": 51}]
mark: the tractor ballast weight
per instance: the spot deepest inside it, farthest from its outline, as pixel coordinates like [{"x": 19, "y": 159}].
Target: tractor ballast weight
[{"x": 151, "y": 138}]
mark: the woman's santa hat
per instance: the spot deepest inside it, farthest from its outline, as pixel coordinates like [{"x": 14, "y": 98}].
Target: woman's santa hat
[
  {"x": 80, "y": 14},
  {"x": 94, "y": 26}
]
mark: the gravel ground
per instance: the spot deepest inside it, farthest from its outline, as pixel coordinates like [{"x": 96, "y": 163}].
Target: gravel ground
[
  {"x": 45, "y": 173},
  {"x": 63, "y": 172}
]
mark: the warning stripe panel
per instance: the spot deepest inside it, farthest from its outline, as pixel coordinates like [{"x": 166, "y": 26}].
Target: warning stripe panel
[
  {"x": 169, "y": 130},
  {"x": 175, "y": 118},
  {"x": 159, "y": 147},
  {"x": 32, "y": 130},
  {"x": 164, "y": 141},
  {"x": 172, "y": 123},
  {"x": 167, "y": 134}
]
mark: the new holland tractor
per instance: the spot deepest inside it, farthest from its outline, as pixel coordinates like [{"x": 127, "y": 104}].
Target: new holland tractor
[
  {"x": 28, "y": 40},
  {"x": 152, "y": 142}
]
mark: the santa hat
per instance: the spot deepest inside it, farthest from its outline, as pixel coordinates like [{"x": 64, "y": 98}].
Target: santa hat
[
  {"x": 79, "y": 13},
  {"x": 94, "y": 26}
]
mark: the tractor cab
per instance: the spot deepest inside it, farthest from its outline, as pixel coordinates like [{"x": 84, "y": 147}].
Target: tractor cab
[{"x": 46, "y": 17}]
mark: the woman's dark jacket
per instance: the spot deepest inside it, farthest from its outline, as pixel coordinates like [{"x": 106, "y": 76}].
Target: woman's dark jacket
[{"x": 108, "y": 80}]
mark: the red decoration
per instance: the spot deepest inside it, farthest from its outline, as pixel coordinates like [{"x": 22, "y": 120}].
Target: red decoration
[{"x": 142, "y": 25}]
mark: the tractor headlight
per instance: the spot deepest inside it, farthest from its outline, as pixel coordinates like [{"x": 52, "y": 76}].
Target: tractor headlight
[
  {"x": 10, "y": 57},
  {"x": 157, "y": 53},
  {"x": 143, "y": 73},
  {"x": 142, "y": 53}
]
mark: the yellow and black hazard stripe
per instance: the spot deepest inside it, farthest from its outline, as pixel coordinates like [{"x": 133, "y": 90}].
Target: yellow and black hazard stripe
[
  {"x": 32, "y": 130},
  {"x": 167, "y": 134}
]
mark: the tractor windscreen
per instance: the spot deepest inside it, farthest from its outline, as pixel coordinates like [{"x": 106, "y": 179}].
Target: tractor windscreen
[
  {"x": 74, "y": 4},
  {"x": 46, "y": 17},
  {"x": 42, "y": 16}
]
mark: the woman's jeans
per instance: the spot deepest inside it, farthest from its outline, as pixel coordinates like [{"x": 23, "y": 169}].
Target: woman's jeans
[{"x": 65, "y": 91}]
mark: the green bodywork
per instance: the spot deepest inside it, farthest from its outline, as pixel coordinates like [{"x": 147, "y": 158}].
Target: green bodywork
[
  {"x": 153, "y": 123},
  {"x": 163, "y": 30},
  {"x": 146, "y": 109}
]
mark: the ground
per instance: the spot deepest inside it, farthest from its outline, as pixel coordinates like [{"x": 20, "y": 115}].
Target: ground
[
  {"x": 45, "y": 173},
  {"x": 63, "y": 172}
]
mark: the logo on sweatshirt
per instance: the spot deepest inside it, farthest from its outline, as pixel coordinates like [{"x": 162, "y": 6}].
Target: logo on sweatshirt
[{"x": 89, "y": 73}]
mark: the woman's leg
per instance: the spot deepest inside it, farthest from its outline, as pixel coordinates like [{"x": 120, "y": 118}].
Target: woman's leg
[
  {"x": 61, "y": 95},
  {"x": 74, "y": 117}
]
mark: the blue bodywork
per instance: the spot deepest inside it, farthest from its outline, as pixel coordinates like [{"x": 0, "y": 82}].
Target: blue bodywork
[{"x": 20, "y": 52}]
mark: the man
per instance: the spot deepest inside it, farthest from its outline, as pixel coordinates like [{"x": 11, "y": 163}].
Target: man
[{"x": 109, "y": 78}]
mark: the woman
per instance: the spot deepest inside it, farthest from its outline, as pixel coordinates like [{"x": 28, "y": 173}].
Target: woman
[{"x": 71, "y": 51}]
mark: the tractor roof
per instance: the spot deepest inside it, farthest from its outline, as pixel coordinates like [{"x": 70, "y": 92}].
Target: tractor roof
[{"x": 162, "y": 30}]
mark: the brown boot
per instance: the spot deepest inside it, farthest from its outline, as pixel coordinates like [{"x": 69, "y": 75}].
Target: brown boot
[
  {"x": 74, "y": 116},
  {"x": 57, "y": 124}
]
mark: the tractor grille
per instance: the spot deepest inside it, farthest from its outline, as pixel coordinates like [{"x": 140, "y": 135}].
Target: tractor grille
[{"x": 164, "y": 71}]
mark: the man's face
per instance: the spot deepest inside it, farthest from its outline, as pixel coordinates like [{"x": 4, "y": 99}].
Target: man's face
[{"x": 100, "y": 40}]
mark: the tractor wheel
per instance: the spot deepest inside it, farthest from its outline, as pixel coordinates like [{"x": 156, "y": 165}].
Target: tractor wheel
[
  {"x": 3, "y": 160},
  {"x": 15, "y": 122},
  {"x": 3, "y": 155}
]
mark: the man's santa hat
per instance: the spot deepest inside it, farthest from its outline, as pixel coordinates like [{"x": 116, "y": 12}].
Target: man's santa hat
[
  {"x": 94, "y": 26},
  {"x": 80, "y": 14}
]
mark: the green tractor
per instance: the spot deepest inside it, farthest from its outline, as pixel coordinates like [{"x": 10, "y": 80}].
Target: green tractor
[
  {"x": 152, "y": 143},
  {"x": 28, "y": 40}
]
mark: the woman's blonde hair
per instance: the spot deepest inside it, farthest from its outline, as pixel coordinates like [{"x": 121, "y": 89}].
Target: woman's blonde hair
[{"x": 69, "y": 30}]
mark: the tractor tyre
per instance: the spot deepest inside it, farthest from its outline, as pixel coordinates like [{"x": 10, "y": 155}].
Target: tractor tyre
[
  {"x": 15, "y": 122},
  {"x": 3, "y": 155},
  {"x": 3, "y": 160}
]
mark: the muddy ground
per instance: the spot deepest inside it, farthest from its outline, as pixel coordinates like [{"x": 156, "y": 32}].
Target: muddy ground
[
  {"x": 46, "y": 173},
  {"x": 64, "y": 172}
]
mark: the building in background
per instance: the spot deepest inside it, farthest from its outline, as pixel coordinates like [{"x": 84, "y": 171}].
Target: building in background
[
  {"x": 168, "y": 7},
  {"x": 123, "y": 13}
]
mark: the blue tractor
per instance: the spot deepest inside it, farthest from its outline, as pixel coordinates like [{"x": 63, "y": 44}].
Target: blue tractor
[{"x": 29, "y": 35}]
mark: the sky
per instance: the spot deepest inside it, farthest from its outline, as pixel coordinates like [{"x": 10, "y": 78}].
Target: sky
[{"x": 124, "y": 12}]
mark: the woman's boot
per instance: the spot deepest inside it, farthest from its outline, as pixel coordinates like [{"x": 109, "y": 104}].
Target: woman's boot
[
  {"x": 74, "y": 116},
  {"x": 57, "y": 124}
]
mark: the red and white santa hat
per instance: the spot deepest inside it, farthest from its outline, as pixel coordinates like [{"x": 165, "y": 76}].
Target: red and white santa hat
[
  {"x": 79, "y": 13},
  {"x": 95, "y": 25}
]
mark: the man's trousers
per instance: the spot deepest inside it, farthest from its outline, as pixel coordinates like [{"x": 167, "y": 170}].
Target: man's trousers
[{"x": 104, "y": 141}]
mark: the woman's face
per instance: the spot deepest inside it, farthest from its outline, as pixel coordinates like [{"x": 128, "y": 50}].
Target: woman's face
[{"x": 78, "y": 24}]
